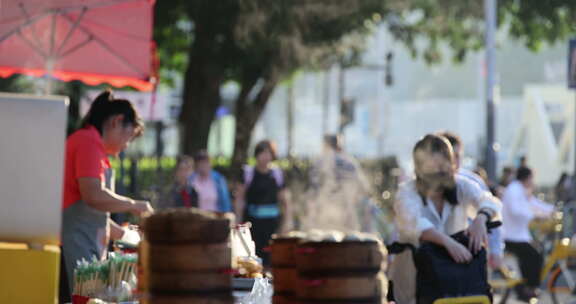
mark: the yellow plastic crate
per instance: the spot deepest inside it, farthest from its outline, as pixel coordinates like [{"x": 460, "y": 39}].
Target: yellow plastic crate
[{"x": 29, "y": 276}]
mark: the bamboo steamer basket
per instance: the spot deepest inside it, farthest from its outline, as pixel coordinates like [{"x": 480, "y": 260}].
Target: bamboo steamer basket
[
  {"x": 190, "y": 257},
  {"x": 192, "y": 282},
  {"x": 284, "y": 299},
  {"x": 188, "y": 225},
  {"x": 283, "y": 249},
  {"x": 356, "y": 256},
  {"x": 285, "y": 280},
  {"x": 189, "y": 298},
  {"x": 340, "y": 288}
]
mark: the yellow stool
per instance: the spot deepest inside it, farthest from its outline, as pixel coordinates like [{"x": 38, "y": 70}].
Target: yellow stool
[
  {"x": 464, "y": 300},
  {"x": 29, "y": 276}
]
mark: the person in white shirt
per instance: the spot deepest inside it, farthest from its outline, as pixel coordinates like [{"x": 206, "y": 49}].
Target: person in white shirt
[
  {"x": 520, "y": 207},
  {"x": 435, "y": 205}
]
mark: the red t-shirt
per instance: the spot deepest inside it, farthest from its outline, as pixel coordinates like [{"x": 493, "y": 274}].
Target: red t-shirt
[{"x": 85, "y": 157}]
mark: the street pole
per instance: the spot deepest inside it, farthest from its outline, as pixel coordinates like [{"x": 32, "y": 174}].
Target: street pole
[
  {"x": 341, "y": 90},
  {"x": 159, "y": 126},
  {"x": 290, "y": 118},
  {"x": 490, "y": 7},
  {"x": 325, "y": 102},
  {"x": 572, "y": 85},
  {"x": 574, "y": 143}
]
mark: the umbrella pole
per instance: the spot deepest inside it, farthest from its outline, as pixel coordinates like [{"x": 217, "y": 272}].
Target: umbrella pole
[
  {"x": 49, "y": 83},
  {"x": 51, "y": 57}
]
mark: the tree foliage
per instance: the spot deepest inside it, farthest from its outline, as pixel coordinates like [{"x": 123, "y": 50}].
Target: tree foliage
[
  {"x": 255, "y": 43},
  {"x": 258, "y": 43},
  {"x": 460, "y": 24}
]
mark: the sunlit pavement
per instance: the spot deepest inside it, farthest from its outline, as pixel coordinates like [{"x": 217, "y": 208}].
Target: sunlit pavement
[
  {"x": 544, "y": 299},
  {"x": 512, "y": 300}
]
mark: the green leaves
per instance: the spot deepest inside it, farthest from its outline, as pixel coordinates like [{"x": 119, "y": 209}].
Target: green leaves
[
  {"x": 460, "y": 24},
  {"x": 263, "y": 36},
  {"x": 540, "y": 22}
]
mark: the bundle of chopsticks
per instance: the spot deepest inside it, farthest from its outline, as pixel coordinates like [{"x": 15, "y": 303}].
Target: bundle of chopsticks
[
  {"x": 121, "y": 269},
  {"x": 97, "y": 278}
]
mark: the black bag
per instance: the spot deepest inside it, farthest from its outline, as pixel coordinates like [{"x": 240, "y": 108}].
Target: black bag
[{"x": 439, "y": 276}]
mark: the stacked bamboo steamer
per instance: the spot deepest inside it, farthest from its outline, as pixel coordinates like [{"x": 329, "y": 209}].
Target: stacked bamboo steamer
[
  {"x": 333, "y": 268},
  {"x": 187, "y": 257},
  {"x": 284, "y": 270},
  {"x": 341, "y": 268}
]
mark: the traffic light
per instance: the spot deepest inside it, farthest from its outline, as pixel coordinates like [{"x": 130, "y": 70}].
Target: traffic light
[{"x": 388, "y": 78}]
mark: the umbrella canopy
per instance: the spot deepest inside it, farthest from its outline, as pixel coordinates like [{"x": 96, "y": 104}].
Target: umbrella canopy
[{"x": 94, "y": 41}]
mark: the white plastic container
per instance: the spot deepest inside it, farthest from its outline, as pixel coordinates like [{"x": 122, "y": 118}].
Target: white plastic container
[{"x": 32, "y": 146}]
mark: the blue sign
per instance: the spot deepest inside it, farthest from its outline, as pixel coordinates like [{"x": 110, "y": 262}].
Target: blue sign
[{"x": 572, "y": 64}]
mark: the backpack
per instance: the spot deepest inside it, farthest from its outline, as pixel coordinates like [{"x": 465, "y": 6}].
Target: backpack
[{"x": 439, "y": 276}]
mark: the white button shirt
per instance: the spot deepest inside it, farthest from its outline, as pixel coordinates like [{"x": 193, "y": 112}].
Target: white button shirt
[
  {"x": 518, "y": 210},
  {"x": 413, "y": 217}
]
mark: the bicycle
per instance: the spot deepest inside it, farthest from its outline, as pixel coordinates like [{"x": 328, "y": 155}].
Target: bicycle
[
  {"x": 558, "y": 275},
  {"x": 559, "y": 271}
]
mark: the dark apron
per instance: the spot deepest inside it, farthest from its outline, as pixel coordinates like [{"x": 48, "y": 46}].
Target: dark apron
[{"x": 85, "y": 233}]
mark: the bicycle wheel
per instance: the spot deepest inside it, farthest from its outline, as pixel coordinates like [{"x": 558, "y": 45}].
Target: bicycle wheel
[{"x": 559, "y": 285}]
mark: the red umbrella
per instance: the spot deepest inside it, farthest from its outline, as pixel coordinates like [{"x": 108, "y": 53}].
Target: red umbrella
[{"x": 93, "y": 41}]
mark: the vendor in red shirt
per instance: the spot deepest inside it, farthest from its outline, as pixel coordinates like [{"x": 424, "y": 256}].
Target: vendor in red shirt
[{"x": 107, "y": 129}]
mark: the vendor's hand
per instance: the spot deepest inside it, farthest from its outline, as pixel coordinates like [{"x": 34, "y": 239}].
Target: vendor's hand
[
  {"x": 457, "y": 251},
  {"x": 495, "y": 261},
  {"x": 477, "y": 233},
  {"x": 131, "y": 236},
  {"x": 141, "y": 207}
]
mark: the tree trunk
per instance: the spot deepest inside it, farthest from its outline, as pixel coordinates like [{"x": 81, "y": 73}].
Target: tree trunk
[
  {"x": 201, "y": 98},
  {"x": 247, "y": 115}
]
